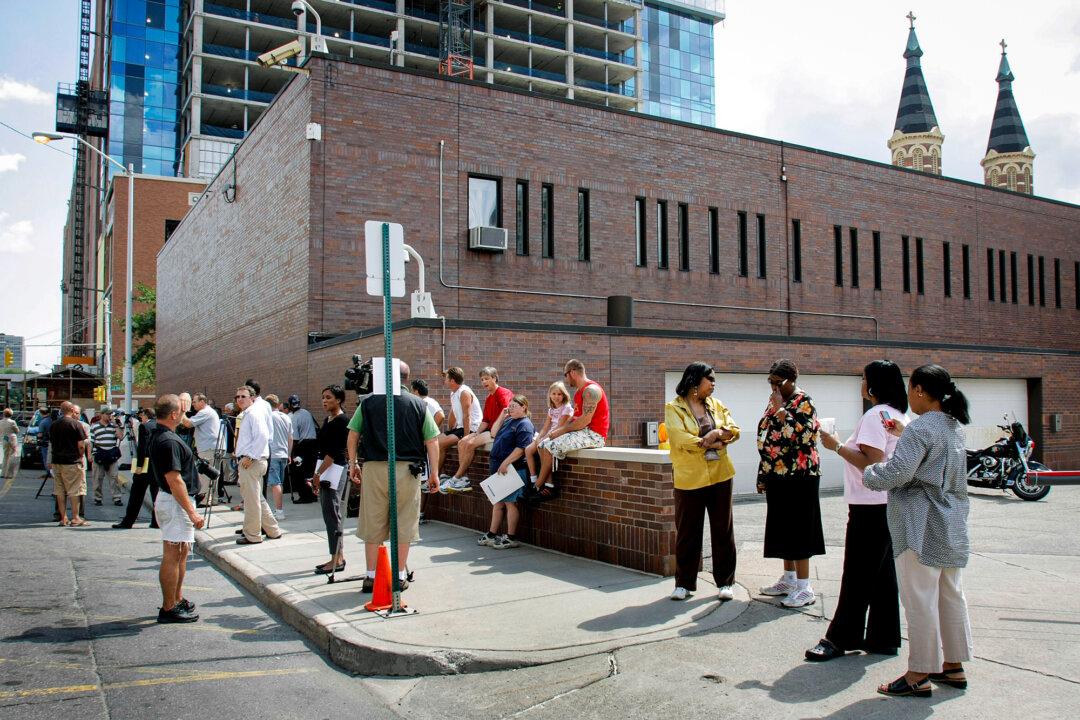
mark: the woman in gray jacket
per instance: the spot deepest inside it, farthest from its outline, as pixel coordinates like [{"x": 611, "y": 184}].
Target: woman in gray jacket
[{"x": 928, "y": 510}]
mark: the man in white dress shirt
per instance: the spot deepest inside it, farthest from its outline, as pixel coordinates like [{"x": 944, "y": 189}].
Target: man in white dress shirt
[{"x": 253, "y": 453}]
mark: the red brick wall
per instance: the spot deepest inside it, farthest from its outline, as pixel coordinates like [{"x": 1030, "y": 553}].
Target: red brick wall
[
  {"x": 233, "y": 279},
  {"x": 620, "y": 513}
]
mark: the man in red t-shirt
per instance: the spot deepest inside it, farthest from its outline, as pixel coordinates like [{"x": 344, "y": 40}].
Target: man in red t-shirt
[
  {"x": 497, "y": 400},
  {"x": 587, "y": 429}
]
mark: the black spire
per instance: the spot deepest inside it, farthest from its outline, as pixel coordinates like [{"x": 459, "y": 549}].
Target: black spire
[
  {"x": 1007, "y": 131},
  {"x": 916, "y": 113}
]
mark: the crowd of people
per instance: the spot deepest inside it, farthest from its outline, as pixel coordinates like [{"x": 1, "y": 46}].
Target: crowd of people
[{"x": 904, "y": 484}]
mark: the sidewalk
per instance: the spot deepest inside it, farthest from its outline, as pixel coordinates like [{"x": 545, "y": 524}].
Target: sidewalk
[{"x": 479, "y": 608}]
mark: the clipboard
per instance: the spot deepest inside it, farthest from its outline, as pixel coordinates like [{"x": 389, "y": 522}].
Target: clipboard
[{"x": 333, "y": 476}]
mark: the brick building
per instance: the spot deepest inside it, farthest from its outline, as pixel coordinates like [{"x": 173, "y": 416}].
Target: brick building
[
  {"x": 160, "y": 204},
  {"x": 736, "y": 249}
]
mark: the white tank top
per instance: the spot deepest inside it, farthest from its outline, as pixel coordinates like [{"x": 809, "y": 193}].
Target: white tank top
[{"x": 476, "y": 413}]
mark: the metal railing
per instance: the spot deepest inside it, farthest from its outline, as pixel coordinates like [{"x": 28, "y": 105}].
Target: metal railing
[{"x": 237, "y": 93}]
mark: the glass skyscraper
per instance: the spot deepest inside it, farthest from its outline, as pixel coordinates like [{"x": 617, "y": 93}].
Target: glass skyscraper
[
  {"x": 678, "y": 79},
  {"x": 143, "y": 76}
]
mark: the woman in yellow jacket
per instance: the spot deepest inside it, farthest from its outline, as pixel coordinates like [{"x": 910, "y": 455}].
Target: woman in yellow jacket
[{"x": 700, "y": 428}]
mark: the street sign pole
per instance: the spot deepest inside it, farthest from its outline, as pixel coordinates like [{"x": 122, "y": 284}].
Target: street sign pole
[{"x": 391, "y": 444}]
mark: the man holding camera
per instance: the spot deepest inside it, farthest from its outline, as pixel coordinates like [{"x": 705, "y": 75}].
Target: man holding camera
[
  {"x": 105, "y": 436},
  {"x": 172, "y": 464},
  {"x": 416, "y": 439},
  {"x": 253, "y": 453},
  {"x": 206, "y": 425}
]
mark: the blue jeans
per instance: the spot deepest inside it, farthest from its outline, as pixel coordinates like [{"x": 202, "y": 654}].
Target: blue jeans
[{"x": 276, "y": 473}]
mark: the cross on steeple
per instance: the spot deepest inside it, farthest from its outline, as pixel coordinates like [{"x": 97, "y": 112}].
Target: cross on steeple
[
  {"x": 1003, "y": 45},
  {"x": 911, "y": 18}
]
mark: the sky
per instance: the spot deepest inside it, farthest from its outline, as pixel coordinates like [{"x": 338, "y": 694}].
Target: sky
[{"x": 825, "y": 74}]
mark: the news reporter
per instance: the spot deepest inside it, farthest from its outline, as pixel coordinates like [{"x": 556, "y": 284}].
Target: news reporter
[
  {"x": 928, "y": 511},
  {"x": 332, "y": 439},
  {"x": 867, "y": 613},
  {"x": 699, "y": 429}
]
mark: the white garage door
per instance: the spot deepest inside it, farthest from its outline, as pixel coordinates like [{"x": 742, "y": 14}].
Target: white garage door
[
  {"x": 989, "y": 400},
  {"x": 837, "y": 396}
]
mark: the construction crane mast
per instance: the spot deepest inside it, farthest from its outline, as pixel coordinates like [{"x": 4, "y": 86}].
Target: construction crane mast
[{"x": 456, "y": 38}]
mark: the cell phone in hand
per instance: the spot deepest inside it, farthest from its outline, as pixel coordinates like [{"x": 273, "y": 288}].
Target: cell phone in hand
[{"x": 887, "y": 420}]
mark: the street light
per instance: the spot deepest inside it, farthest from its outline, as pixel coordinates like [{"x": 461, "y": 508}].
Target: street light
[{"x": 44, "y": 138}]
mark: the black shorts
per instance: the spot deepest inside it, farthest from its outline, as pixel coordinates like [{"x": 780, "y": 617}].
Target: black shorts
[{"x": 456, "y": 432}]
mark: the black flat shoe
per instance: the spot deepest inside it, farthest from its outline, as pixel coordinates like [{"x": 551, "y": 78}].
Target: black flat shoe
[
  {"x": 900, "y": 687},
  {"x": 948, "y": 677},
  {"x": 321, "y": 570},
  {"x": 245, "y": 541},
  {"x": 890, "y": 651},
  {"x": 121, "y": 526},
  {"x": 823, "y": 651}
]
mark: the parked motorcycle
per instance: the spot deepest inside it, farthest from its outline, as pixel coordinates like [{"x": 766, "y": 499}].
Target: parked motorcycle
[{"x": 1005, "y": 464}]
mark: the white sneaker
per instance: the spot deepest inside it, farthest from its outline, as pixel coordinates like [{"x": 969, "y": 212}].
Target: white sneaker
[
  {"x": 780, "y": 587},
  {"x": 799, "y": 598},
  {"x": 503, "y": 542},
  {"x": 725, "y": 593},
  {"x": 486, "y": 540},
  {"x": 279, "y": 514},
  {"x": 459, "y": 485},
  {"x": 680, "y": 593}
]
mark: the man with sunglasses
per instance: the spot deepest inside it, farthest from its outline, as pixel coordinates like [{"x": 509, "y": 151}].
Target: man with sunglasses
[{"x": 255, "y": 427}]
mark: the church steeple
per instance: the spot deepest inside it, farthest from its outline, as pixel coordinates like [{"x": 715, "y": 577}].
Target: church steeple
[
  {"x": 1009, "y": 161},
  {"x": 916, "y": 140}
]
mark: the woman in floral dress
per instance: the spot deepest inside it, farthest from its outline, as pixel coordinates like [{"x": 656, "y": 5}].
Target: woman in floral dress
[{"x": 789, "y": 474}]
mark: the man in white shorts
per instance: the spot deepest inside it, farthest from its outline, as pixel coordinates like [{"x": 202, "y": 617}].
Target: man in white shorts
[
  {"x": 172, "y": 465},
  {"x": 465, "y": 412}
]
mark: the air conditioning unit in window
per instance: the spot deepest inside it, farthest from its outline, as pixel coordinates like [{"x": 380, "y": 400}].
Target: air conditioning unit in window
[{"x": 487, "y": 239}]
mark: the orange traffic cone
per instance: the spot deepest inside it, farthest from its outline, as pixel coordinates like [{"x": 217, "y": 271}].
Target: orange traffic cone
[{"x": 382, "y": 596}]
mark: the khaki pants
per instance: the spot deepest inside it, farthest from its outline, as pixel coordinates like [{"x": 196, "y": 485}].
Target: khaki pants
[
  {"x": 257, "y": 514},
  {"x": 103, "y": 474},
  {"x": 938, "y": 626},
  {"x": 11, "y": 459},
  {"x": 374, "y": 524}
]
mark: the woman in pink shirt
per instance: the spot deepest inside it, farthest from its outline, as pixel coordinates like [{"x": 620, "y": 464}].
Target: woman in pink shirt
[{"x": 867, "y": 614}]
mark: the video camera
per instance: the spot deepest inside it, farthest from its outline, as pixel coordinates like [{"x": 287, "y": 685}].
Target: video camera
[
  {"x": 358, "y": 377},
  {"x": 205, "y": 468}
]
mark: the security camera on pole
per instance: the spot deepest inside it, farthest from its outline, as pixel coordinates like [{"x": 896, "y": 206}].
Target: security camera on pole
[{"x": 384, "y": 246}]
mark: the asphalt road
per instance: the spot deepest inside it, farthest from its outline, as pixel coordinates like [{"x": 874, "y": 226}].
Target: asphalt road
[{"x": 79, "y": 638}]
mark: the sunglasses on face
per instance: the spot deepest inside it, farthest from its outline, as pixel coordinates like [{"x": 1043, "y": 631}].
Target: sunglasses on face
[{"x": 240, "y": 397}]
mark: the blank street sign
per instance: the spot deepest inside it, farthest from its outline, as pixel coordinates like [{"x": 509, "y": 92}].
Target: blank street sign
[{"x": 373, "y": 250}]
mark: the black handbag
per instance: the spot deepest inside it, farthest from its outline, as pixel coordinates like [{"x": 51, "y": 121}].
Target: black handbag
[{"x": 105, "y": 458}]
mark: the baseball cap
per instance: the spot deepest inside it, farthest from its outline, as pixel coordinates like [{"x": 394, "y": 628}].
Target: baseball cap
[{"x": 294, "y": 401}]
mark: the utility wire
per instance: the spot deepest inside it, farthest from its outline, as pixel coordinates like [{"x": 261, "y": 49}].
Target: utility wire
[{"x": 31, "y": 139}]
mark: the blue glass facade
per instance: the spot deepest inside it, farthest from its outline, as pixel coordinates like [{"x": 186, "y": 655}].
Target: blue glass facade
[
  {"x": 143, "y": 74},
  {"x": 678, "y": 65}
]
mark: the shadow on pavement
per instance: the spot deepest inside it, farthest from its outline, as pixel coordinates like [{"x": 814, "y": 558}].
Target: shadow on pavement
[{"x": 651, "y": 614}]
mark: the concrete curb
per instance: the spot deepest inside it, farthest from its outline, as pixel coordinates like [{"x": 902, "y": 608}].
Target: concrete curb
[{"x": 357, "y": 652}]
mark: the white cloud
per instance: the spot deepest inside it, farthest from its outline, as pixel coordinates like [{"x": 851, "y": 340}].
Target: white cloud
[
  {"x": 11, "y": 162},
  {"x": 15, "y": 237},
  {"x": 16, "y": 91}
]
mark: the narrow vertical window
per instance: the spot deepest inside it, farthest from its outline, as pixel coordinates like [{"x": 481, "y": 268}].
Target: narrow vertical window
[
  {"x": 714, "y": 241},
  {"x": 1076, "y": 282},
  {"x": 1057, "y": 283},
  {"x": 661, "y": 235},
  {"x": 744, "y": 260},
  {"x": 547, "y": 220},
  {"x": 1042, "y": 281},
  {"x": 584, "y": 249},
  {"x": 796, "y": 251},
  {"x": 1014, "y": 276},
  {"x": 640, "y": 232},
  {"x": 920, "y": 285},
  {"x": 521, "y": 218},
  {"x": 684, "y": 236},
  {"x": 906, "y": 245},
  {"x": 966, "y": 260},
  {"x": 838, "y": 255},
  {"x": 853, "y": 236},
  {"x": 1001, "y": 276},
  {"x": 946, "y": 268},
  {"x": 990, "y": 275},
  {"x": 877, "y": 260},
  {"x": 761, "y": 246},
  {"x": 1031, "y": 279}
]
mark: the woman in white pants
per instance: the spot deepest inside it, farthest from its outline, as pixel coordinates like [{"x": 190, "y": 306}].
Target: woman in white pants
[{"x": 928, "y": 510}]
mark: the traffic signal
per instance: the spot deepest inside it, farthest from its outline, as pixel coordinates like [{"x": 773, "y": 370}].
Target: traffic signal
[
  {"x": 9, "y": 358},
  {"x": 99, "y": 393}
]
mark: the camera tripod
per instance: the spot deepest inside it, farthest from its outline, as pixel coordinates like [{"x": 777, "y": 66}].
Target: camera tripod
[{"x": 216, "y": 485}]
